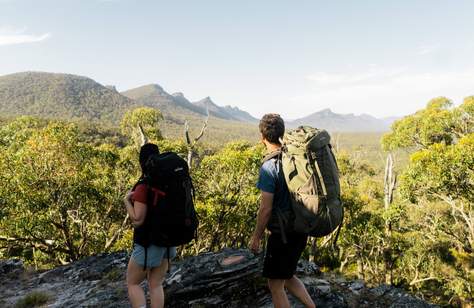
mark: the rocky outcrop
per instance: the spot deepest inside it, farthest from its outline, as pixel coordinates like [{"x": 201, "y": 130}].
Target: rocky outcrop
[{"x": 207, "y": 280}]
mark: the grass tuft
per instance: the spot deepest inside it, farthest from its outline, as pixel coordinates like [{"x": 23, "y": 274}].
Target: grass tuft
[{"x": 33, "y": 299}]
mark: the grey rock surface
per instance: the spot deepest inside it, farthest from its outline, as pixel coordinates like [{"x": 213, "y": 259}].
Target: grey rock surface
[{"x": 205, "y": 280}]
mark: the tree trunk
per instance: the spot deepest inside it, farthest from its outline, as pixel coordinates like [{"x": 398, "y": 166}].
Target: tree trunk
[
  {"x": 389, "y": 188},
  {"x": 314, "y": 250}
]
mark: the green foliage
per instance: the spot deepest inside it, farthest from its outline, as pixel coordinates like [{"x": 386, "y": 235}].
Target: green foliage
[
  {"x": 227, "y": 199},
  {"x": 362, "y": 241},
  {"x": 427, "y": 246},
  {"x": 18, "y": 131},
  {"x": 61, "y": 196},
  {"x": 172, "y": 145},
  {"x": 425, "y": 127},
  {"x": 464, "y": 118},
  {"x": 438, "y": 184},
  {"x": 218, "y": 132},
  {"x": 445, "y": 173},
  {"x": 441, "y": 170},
  {"x": 148, "y": 118}
]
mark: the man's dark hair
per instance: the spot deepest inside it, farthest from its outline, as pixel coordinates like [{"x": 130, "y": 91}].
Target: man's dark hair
[
  {"x": 146, "y": 151},
  {"x": 272, "y": 127}
]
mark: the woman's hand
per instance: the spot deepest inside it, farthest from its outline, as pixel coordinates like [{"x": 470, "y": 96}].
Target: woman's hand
[{"x": 128, "y": 198}]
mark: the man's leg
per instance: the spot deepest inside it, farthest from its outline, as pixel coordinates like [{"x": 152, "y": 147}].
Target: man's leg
[
  {"x": 297, "y": 288},
  {"x": 279, "y": 297}
]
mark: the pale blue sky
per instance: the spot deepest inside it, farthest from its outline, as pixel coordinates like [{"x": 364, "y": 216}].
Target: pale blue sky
[{"x": 293, "y": 57}]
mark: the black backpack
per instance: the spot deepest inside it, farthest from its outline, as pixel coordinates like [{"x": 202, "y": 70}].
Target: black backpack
[{"x": 171, "y": 218}]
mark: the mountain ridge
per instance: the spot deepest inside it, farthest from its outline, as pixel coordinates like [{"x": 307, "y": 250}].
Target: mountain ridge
[
  {"x": 331, "y": 121},
  {"x": 68, "y": 96},
  {"x": 153, "y": 95},
  {"x": 56, "y": 95}
]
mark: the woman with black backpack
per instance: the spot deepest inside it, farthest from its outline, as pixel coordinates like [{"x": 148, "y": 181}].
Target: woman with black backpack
[{"x": 150, "y": 262}]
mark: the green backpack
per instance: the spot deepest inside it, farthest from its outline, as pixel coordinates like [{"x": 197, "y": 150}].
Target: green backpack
[{"x": 312, "y": 177}]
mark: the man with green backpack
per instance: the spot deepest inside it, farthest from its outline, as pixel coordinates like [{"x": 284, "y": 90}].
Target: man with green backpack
[{"x": 300, "y": 196}]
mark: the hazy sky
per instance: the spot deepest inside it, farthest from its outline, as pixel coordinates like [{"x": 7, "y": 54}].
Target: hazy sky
[{"x": 384, "y": 58}]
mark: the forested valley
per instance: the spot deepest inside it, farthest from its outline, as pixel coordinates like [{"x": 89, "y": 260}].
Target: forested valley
[{"x": 408, "y": 197}]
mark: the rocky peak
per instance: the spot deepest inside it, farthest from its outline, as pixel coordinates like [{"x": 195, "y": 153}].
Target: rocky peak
[
  {"x": 156, "y": 87},
  {"x": 232, "y": 108},
  {"x": 112, "y": 87},
  {"x": 178, "y": 94},
  {"x": 207, "y": 101},
  {"x": 206, "y": 280},
  {"x": 326, "y": 112}
]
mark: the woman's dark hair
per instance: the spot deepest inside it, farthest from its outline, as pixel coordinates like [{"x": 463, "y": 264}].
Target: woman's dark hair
[
  {"x": 272, "y": 127},
  {"x": 146, "y": 151}
]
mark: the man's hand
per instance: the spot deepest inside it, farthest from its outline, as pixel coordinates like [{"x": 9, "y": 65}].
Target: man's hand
[
  {"x": 263, "y": 216},
  {"x": 254, "y": 244}
]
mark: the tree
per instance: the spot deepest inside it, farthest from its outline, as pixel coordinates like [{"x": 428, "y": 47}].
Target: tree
[
  {"x": 464, "y": 118},
  {"x": 427, "y": 126},
  {"x": 227, "y": 198},
  {"x": 446, "y": 173},
  {"x": 438, "y": 184},
  {"x": 362, "y": 241},
  {"x": 146, "y": 117},
  {"x": 61, "y": 198}
]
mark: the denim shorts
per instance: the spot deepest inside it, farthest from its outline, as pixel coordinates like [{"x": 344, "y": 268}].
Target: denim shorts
[{"x": 154, "y": 257}]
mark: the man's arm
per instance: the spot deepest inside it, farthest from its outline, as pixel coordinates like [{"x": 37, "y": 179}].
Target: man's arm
[{"x": 263, "y": 216}]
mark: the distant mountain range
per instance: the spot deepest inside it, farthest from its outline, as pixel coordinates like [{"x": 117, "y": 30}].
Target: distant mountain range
[
  {"x": 68, "y": 96},
  {"x": 344, "y": 122},
  {"x": 177, "y": 105}
]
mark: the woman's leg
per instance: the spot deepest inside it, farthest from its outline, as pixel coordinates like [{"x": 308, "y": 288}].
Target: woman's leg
[
  {"x": 156, "y": 277},
  {"x": 135, "y": 275}
]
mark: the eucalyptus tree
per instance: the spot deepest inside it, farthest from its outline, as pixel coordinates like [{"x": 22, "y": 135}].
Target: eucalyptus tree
[
  {"x": 59, "y": 195},
  {"x": 438, "y": 186}
]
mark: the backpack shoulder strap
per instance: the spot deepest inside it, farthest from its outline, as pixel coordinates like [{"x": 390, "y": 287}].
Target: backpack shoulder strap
[
  {"x": 140, "y": 181},
  {"x": 274, "y": 154}
]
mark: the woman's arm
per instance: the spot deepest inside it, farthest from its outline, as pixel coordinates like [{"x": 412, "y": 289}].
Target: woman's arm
[{"x": 136, "y": 210}]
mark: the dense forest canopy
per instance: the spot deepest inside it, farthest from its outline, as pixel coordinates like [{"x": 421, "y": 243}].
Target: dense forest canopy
[{"x": 63, "y": 184}]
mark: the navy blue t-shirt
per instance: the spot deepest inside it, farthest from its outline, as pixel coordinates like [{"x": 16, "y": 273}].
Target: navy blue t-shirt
[{"x": 272, "y": 180}]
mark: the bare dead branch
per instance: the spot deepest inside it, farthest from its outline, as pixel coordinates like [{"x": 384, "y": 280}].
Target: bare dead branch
[
  {"x": 144, "y": 139},
  {"x": 413, "y": 282},
  {"x": 191, "y": 145},
  {"x": 46, "y": 246},
  {"x": 204, "y": 126},
  {"x": 112, "y": 240},
  {"x": 186, "y": 133}
]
